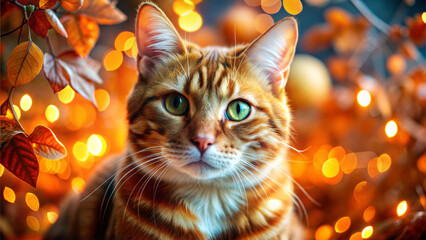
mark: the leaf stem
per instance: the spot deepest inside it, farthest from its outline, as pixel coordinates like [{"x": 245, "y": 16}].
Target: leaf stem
[{"x": 13, "y": 109}]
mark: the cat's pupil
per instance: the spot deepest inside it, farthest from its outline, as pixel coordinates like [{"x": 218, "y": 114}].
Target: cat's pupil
[
  {"x": 176, "y": 102},
  {"x": 238, "y": 109}
]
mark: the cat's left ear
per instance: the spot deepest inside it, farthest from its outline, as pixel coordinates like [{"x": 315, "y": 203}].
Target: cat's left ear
[
  {"x": 273, "y": 52},
  {"x": 156, "y": 37}
]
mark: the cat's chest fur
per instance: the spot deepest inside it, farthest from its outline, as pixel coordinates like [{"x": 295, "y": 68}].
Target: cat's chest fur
[{"x": 212, "y": 207}]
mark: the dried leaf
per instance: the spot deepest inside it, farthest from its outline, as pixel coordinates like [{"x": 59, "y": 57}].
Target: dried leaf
[
  {"x": 39, "y": 23},
  {"x": 55, "y": 73},
  {"x": 9, "y": 128},
  {"x": 83, "y": 33},
  {"x": 19, "y": 158},
  {"x": 103, "y": 12},
  {"x": 46, "y": 144},
  {"x": 47, "y": 4},
  {"x": 318, "y": 38},
  {"x": 24, "y": 63},
  {"x": 56, "y": 24},
  {"x": 72, "y": 5},
  {"x": 4, "y": 107},
  {"x": 417, "y": 30}
]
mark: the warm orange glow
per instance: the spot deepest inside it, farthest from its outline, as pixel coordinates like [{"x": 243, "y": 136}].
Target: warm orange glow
[
  {"x": 293, "y": 7},
  {"x": 274, "y": 204},
  {"x": 424, "y": 17},
  {"x": 17, "y": 111},
  {"x": 121, "y": 40},
  {"x": 342, "y": 224},
  {"x": 102, "y": 99},
  {"x": 401, "y": 208},
  {"x": 9, "y": 195},
  {"x": 356, "y": 236},
  {"x": 33, "y": 223},
  {"x": 362, "y": 191},
  {"x": 129, "y": 43},
  {"x": 26, "y": 102},
  {"x": 96, "y": 145},
  {"x": 252, "y": 3},
  {"x": 113, "y": 60},
  {"x": 372, "y": 168},
  {"x": 190, "y": 21},
  {"x": 1, "y": 170},
  {"x": 396, "y": 64},
  {"x": 337, "y": 152},
  {"x": 349, "y": 163},
  {"x": 66, "y": 95},
  {"x": 421, "y": 163},
  {"x": 32, "y": 201},
  {"x": 364, "y": 98},
  {"x": 80, "y": 151},
  {"x": 384, "y": 162},
  {"x": 369, "y": 214},
  {"x": 391, "y": 129},
  {"x": 52, "y": 217},
  {"x": 367, "y": 232},
  {"x": 271, "y": 6},
  {"x": 324, "y": 232},
  {"x": 52, "y": 113},
  {"x": 331, "y": 167},
  {"x": 181, "y": 7},
  {"x": 263, "y": 22},
  {"x": 78, "y": 184}
]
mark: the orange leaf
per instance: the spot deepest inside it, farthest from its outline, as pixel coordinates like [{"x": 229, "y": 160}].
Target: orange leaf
[
  {"x": 46, "y": 144},
  {"x": 338, "y": 17},
  {"x": 83, "y": 33},
  {"x": 293, "y": 7},
  {"x": 55, "y": 73},
  {"x": 72, "y": 5},
  {"x": 19, "y": 158},
  {"x": 318, "y": 38},
  {"x": 28, "y": 2},
  {"x": 39, "y": 23},
  {"x": 417, "y": 30},
  {"x": 9, "y": 128},
  {"x": 4, "y": 107},
  {"x": 47, "y": 4},
  {"x": 103, "y": 12},
  {"x": 24, "y": 63},
  {"x": 56, "y": 24}
]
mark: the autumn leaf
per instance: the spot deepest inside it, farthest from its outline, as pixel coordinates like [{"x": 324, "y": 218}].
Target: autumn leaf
[
  {"x": 103, "y": 12},
  {"x": 417, "y": 30},
  {"x": 9, "y": 127},
  {"x": 56, "y": 24},
  {"x": 29, "y": 2},
  {"x": 55, "y": 73},
  {"x": 4, "y": 107},
  {"x": 72, "y": 5},
  {"x": 83, "y": 33},
  {"x": 70, "y": 68},
  {"x": 24, "y": 63},
  {"x": 46, "y": 144},
  {"x": 317, "y": 38},
  {"x": 338, "y": 18},
  {"x": 19, "y": 158},
  {"x": 39, "y": 23},
  {"x": 47, "y": 4}
]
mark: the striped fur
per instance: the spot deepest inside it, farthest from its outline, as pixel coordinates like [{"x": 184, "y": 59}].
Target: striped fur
[{"x": 153, "y": 193}]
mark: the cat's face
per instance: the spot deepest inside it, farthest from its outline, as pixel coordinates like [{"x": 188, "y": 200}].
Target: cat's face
[{"x": 209, "y": 113}]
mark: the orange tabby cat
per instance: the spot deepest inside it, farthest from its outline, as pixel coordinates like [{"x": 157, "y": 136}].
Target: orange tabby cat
[{"x": 208, "y": 129}]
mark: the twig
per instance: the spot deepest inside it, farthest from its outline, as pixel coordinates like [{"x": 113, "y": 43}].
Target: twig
[
  {"x": 14, "y": 30},
  {"x": 376, "y": 21}
]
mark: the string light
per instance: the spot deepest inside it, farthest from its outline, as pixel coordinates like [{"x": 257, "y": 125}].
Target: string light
[
  {"x": 391, "y": 129},
  {"x": 26, "y": 102},
  {"x": 9, "y": 195}
]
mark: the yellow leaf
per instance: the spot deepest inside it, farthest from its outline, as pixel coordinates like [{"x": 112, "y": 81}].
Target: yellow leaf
[
  {"x": 293, "y": 7},
  {"x": 47, "y": 4},
  {"x": 56, "y": 24},
  {"x": 72, "y": 5},
  {"x": 83, "y": 32},
  {"x": 24, "y": 63}
]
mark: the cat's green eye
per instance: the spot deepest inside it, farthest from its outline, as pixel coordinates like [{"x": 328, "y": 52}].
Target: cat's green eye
[
  {"x": 176, "y": 104},
  {"x": 237, "y": 110}
]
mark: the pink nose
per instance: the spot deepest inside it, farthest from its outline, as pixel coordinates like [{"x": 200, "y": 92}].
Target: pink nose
[{"x": 202, "y": 143}]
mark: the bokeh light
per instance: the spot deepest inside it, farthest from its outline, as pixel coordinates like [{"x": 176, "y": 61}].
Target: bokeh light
[
  {"x": 369, "y": 214},
  {"x": 263, "y": 22},
  {"x": 421, "y": 163},
  {"x": 271, "y": 6},
  {"x": 190, "y": 21},
  {"x": 1, "y": 170},
  {"x": 17, "y": 111},
  {"x": 32, "y": 201},
  {"x": 181, "y": 7},
  {"x": 364, "y": 98},
  {"x": 330, "y": 168},
  {"x": 324, "y": 232},
  {"x": 121, "y": 39},
  {"x": 66, "y": 95},
  {"x": 9, "y": 194},
  {"x": 113, "y": 60},
  {"x": 293, "y": 7},
  {"x": 52, "y": 113},
  {"x": 401, "y": 209},
  {"x": 367, "y": 232},
  {"x": 33, "y": 223},
  {"x": 78, "y": 184},
  {"x": 52, "y": 217},
  {"x": 356, "y": 236},
  {"x": 391, "y": 129},
  {"x": 102, "y": 99},
  {"x": 349, "y": 163},
  {"x": 342, "y": 224},
  {"x": 396, "y": 64},
  {"x": 80, "y": 151},
  {"x": 96, "y": 144},
  {"x": 26, "y": 102},
  {"x": 384, "y": 162}
]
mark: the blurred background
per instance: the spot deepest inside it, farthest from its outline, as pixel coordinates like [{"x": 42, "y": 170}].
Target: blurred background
[{"x": 357, "y": 90}]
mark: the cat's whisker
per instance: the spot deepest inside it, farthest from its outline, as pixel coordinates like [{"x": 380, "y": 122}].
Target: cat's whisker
[
  {"x": 256, "y": 157},
  {"x": 156, "y": 185}
]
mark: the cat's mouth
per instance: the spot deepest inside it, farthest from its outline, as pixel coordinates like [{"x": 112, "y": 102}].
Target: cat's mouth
[{"x": 201, "y": 165}]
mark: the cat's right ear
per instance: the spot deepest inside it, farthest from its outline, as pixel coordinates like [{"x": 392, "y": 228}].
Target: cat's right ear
[{"x": 156, "y": 38}]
